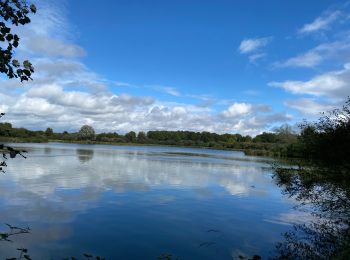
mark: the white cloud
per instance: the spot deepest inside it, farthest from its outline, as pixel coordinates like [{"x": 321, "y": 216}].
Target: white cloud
[
  {"x": 309, "y": 59},
  {"x": 53, "y": 47},
  {"x": 144, "y": 174},
  {"x": 124, "y": 84},
  {"x": 168, "y": 90},
  {"x": 334, "y": 84},
  {"x": 310, "y": 106},
  {"x": 253, "y": 44},
  {"x": 52, "y": 106},
  {"x": 320, "y": 23},
  {"x": 238, "y": 109},
  {"x": 336, "y": 50},
  {"x": 255, "y": 57},
  {"x": 65, "y": 94}
]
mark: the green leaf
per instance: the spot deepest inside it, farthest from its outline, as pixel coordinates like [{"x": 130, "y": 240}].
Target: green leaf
[
  {"x": 27, "y": 65},
  {"x": 33, "y": 8},
  {"x": 15, "y": 63}
]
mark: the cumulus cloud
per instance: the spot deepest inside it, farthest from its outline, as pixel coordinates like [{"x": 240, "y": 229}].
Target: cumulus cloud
[
  {"x": 329, "y": 87},
  {"x": 66, "y": 94},
  {"x": 334, "y": 84},
  {"x": 322, "y": 22},
  {"x": 247, "y": 118},
  {"x": 324, "y": 92},
  {"x": 253, "y": 44},
  {"x": 237, "y": 109},
  {"x": 53, "y": 106}
]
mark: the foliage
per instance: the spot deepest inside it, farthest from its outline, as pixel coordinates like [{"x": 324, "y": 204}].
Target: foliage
[
  {"x": 24, "y": 252},
  {"x": 6, "y": 150},
  {"x": 86, "y": 132},
  {"x": 265, "y": 138},
  {"x": 141, "y": 137},
  {"x": 328, "y": 139},
  {"x": 323, "y": 192},
  {"x": 5, "y": 236},
  {"x": 252, "y": 146},
  {"x": 48, "y": 131},
  {"x": 131, "y": 137},
  {"x": 15, "y": 12}
]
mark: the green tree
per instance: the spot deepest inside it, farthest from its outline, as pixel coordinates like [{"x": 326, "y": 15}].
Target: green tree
[
  {"x": 131, "y": 137},
  {"x": 5, "y": 129},
  {"x": 86, "y": 132},
  {"x": 141, "y": 137},
  {"x": 285, "y": 134},
  {"x": 48, "y": 131},
  {"x": 328, "y": 139},
  {"x": 265, "y": 138}
]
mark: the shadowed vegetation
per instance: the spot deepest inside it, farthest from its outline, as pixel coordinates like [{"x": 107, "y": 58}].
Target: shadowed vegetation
[
  {"x": 322, "y": 188},
  {"x": 324, "y": 192}
]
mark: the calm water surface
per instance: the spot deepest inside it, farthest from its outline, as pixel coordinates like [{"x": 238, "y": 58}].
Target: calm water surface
[{"x": 130, "y": 202}]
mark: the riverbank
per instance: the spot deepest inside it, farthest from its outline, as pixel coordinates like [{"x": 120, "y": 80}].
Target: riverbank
[{"x": 249, "y": 148}]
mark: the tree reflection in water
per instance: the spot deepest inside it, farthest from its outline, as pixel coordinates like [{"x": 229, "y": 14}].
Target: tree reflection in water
[
  {"x": 85, "y": 155},
  {"x": 325, "y": 192},
  {"x": 23, "y": 253}
]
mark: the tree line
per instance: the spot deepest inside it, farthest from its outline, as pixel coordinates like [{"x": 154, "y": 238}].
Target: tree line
[
  {"x": 267, "y": 141},
  {"x": 327, "y": 139}
]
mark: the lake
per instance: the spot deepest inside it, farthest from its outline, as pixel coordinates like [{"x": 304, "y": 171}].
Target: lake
[{"x": 138, "y": 202}]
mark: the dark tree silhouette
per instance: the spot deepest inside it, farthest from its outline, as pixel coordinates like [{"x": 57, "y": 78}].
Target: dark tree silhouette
[
  {"x": 48, "y": 131},
  {"x": 131, "y": 137},
  {"x": 328, "y": 139},
  {"x": 15, "y": 12},
  {"x": 324, "y": 192}
]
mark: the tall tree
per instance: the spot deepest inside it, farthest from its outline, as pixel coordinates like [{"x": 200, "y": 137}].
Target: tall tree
[
  {"x": 86, "y": 132},
  {"x": 131, "y": 137},
  {"x": 48, "y": 131},
  {"x": 141, "y": 137}
]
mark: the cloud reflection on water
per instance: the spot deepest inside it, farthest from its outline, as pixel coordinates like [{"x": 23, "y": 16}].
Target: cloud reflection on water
[
  {"x": 58, "y": 183},
  {"x": 125, "y": 171}
]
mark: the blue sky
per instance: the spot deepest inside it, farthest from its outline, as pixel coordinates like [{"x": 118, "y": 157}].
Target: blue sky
[{"x": 221, "y": 66}]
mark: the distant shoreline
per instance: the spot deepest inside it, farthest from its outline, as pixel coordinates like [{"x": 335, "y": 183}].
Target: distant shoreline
[{"x": 251, "y": 152}]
